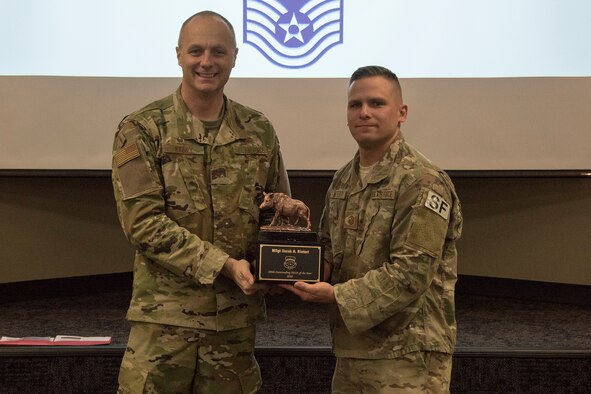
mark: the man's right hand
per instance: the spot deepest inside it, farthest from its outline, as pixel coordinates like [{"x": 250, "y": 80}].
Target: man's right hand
[{"x": 239, "y": 272}]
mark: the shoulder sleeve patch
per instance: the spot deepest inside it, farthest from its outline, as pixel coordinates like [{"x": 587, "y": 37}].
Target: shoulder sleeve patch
[
  {"x": 437, "y": 204},
  {"x": 134, "y": 172}
]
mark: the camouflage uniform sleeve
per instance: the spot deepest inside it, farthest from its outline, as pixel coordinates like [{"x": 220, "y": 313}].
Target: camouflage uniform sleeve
[
  {"x": 139, "y": 194},
  {"x": 417, "y": 235}
]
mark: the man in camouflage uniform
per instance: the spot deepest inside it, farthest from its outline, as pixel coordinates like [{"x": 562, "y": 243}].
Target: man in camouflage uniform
[
  {"x": 189, "y": 172},
  {"x": 390, "y": 222}
]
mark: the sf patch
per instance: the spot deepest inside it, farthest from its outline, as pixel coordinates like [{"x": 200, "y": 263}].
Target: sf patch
[{"x": 437, "y": 204}]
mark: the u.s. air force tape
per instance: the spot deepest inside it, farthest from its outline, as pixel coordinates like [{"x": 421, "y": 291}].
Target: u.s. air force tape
[{"x": 437, "y": 204}]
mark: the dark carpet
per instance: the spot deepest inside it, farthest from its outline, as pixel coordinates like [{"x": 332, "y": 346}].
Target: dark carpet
[
  {"x": 505, "y": 344},
  {"x": 483, "y": 321}
]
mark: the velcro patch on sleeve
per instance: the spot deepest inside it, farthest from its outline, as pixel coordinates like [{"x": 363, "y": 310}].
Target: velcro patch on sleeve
[
  {"x": 133, "y": 171},
  {"x": 126, "y": 154},
  {"x": 437, "y": 204}
]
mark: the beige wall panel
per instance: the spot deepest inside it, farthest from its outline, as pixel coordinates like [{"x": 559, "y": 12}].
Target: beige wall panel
[
  {"x": 516, "y": 228},
  {"x": 461, "y": 124}
]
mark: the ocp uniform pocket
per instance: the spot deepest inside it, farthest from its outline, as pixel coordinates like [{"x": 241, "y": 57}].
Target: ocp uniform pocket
[
  {"x": 336, "y": 216},
  {"x": 188, "y": 166},
  {"x": 252, "y": 176},
  {"x": 377, "y": 223},
  {"x": 183, "y": 189},
  {"x": 254, "y": 170}
]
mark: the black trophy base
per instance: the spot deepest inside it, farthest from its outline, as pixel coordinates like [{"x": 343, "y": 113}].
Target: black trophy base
[{"x": 289, "y": 257}]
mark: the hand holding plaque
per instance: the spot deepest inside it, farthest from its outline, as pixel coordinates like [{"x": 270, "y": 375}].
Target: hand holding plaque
[{"x": 288, "y": 251}]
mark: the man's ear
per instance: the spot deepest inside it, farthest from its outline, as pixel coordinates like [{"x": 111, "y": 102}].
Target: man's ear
[
  {"x": 235, "y": 56},
  {"x": 403, "y": 113}
]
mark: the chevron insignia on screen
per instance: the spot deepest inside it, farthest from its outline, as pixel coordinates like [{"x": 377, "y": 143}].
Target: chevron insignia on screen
[{"x": 293, "y": 33}]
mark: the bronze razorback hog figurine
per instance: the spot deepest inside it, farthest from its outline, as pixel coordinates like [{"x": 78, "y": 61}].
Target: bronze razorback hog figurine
[{"x": 286, "y": 208}]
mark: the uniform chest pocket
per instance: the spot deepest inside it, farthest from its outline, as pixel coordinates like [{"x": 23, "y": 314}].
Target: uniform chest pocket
[
  {"x": 336, "y": 218},
  {"x": 184, "y": 183},
  {"x": 376, "y": 227},
  {"x": 253, "y": 164},
  {"x": 252, "y": 173}
]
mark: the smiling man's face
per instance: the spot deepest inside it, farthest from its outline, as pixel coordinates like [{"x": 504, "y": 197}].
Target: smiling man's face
[{"x": 206, "y": 53}]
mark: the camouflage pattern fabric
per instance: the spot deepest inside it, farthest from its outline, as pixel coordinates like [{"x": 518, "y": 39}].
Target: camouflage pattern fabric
[
  {"x": 416, "y": 372},
  {"x": 168, "y": 359},
  {"x": 391, "y": 245},
  {"x": 186, "y": 203}
]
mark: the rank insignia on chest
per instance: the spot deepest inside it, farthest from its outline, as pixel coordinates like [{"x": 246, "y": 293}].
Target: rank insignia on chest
[
  {"x": 219, "y": 177},
  {"x": 351, "y": 220},
  {"x": 218, "y": 173},
  {"x": 202, "y": 139}
]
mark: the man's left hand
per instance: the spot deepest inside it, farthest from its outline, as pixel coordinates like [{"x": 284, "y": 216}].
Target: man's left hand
[{"x": 318, "y": 292}]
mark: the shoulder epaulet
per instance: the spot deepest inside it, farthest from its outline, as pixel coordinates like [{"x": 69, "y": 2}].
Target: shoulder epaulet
[
  {"x": 151, "y": 117},
  {"x": 241, "y": 107}
]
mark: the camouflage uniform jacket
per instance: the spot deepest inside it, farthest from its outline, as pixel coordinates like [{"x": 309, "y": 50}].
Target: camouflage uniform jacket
[
  {"x": 391, "y": 245},
  {"x": 186, "y": 205}
]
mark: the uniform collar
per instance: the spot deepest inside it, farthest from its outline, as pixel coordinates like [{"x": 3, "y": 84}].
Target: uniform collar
[
  {"x": 382, "y": 169},
  {"x": 192, "y": 128}
]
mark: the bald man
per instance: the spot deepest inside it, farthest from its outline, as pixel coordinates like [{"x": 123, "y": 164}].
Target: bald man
[{"x": 189, "y": 172}]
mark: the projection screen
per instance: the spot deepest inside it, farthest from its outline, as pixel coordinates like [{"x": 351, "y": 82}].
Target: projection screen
[{"x": 490, "y": 85}]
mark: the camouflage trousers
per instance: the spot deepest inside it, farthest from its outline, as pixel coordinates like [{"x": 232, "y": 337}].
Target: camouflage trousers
[
  {"x": 170, "y": 359},
  {"x": 416, "y": 372}
]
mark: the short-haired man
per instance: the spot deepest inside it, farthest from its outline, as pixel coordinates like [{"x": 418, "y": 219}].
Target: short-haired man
[
  {"x": 189, "y": 172},
  {"x": 390, "y": 225}
]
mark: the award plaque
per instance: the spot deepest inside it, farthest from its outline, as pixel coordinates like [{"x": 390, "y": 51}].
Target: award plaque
[{"x": 288, "y": 252}]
